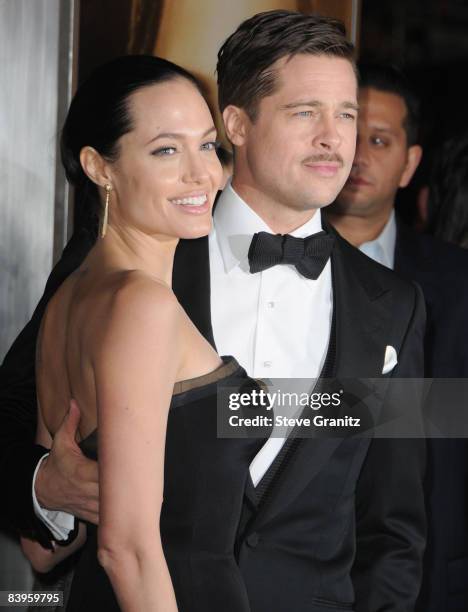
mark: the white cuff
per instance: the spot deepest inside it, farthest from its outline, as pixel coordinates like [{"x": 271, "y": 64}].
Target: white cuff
[{"x": 59, "y": 523}]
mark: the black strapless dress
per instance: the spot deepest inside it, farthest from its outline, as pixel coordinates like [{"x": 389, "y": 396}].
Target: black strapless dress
[{"x": 204, "y": 482}]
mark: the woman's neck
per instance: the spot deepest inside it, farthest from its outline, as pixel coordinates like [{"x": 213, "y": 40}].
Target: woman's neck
[{"x": 134, "y": 250}]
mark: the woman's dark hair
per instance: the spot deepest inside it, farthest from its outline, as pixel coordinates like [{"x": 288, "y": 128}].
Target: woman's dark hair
[
  {"x": 448, "y": 192},
  {"x": 245, "y": 59},
  {"x": 99, "y": 115}
]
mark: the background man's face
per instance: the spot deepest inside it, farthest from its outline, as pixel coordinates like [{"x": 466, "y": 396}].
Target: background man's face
[
  {"x": 381, "y": 163},
  {"x": 300, "y": 148}
]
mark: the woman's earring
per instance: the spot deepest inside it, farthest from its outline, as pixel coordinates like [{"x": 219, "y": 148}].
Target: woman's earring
[{"x": 105, "y": 216}]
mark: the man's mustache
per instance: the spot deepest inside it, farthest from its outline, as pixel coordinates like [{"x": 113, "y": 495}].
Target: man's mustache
[{"x": 322, "y": 157}]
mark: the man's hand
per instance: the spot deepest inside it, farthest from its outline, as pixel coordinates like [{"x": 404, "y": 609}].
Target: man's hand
[{"x": 66, "y": 479}]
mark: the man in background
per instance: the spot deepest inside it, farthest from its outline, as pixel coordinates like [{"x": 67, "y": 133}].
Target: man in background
[{"x": 387, "y": 155}]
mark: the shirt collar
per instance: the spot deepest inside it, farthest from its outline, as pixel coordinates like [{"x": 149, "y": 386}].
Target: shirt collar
[
  {"x": 382, "y": 249},
  {"x": 235, "y": 223}
]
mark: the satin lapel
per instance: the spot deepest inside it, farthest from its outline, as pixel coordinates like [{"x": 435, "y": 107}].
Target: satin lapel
[
  {"x": 308, "y": 459},
  {"x": 362, "y": 315},
  {"x": 191, "y": 283},
  {"x": 250, "y": 492}
]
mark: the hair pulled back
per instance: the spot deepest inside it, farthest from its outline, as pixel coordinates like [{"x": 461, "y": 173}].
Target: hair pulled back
[{"x": 99, "y": 115}]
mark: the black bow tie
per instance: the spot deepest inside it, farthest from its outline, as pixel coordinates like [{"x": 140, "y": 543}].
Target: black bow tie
[{"x": 309, "y": 255}]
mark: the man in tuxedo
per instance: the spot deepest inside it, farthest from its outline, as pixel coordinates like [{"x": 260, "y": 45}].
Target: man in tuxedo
[
  {"x": 387, "y": 155},
  {"x": 329, "y": 523}
]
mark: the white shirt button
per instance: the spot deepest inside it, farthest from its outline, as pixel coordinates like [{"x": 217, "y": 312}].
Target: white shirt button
[
  {"x": 267, "y": 364},
  {"x": 270, "y": 304}
]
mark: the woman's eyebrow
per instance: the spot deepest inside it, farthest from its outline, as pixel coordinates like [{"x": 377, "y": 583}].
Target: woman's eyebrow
[{"x": 178, "y": 135}]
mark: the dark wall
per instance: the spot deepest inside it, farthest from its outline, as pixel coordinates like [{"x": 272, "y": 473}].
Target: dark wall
[
  {"x": 110, "y": 28},
  {"x": 428, "y": 40}
]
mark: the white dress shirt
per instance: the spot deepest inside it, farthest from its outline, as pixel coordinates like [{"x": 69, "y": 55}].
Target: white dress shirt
[
  {"x": 276, "y": 323},
  {"x": 382, "y": 249}
]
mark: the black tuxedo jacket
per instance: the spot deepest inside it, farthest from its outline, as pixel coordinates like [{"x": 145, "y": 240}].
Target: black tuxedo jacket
[
  {"x": 442, "y": 272},
  {"x": 342, "y": 507}
]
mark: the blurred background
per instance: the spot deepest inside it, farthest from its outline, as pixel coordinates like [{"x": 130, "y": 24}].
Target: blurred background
[{"x": 48, "y": 46}]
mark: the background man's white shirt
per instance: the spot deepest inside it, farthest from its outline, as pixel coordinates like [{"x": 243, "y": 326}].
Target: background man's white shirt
[{"x": 382, "y": 249}]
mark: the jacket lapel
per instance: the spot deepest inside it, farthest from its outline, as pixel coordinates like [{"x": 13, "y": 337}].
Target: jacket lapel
[
  {"x": 308, "y": 459},
  {"x": 363, "y": 314}
]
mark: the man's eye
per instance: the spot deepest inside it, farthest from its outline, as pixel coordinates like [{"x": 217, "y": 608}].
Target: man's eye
[
  {"x": 377, "y": 141},
  {"x": 164, "y": 151},
  {"x": 348, "y": 116},
  {"x": 210, "y": 146},
  {"x": 305, "y": 113}
]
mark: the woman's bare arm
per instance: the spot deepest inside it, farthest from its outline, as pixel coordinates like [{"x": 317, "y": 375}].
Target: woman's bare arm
[{"x": 135, "y": 363}]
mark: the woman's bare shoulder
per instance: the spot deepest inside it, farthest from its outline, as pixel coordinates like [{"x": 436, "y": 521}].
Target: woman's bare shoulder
[
  {"x": 143, "y": 303},
  {"x": 139, "y": 331},
  {"x": 140, "y": 291}
]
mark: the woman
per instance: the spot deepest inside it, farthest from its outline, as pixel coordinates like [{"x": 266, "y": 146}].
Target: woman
[{"x": 140, "y": 136}]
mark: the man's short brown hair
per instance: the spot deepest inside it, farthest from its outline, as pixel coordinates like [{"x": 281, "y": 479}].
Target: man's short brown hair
[{"x": 245, "y": 60}]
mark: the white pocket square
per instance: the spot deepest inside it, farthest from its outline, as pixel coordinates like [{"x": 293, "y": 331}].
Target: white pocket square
[{"x": 390, "y": 360}]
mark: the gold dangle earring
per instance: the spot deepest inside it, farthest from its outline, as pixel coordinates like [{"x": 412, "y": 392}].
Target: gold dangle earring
[{"x": 105, "y": 216}]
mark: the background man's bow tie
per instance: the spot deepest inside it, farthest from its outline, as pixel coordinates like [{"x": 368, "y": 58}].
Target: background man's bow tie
[{"x": 309, "y": 255}]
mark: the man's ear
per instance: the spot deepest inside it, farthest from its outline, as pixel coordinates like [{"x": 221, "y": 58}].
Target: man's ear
[
  {"x": 235, "y": 119},
  {"x": 412, "y": 162},
  {"x": 95, "y": 166}
]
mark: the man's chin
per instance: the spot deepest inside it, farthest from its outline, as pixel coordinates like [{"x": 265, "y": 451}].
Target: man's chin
[{"x": 326, "y": 200}]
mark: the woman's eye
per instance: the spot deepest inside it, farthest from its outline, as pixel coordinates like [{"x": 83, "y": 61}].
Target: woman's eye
[
  {"x": 164, "y": 151},
  {"x": 210, "y": 146}
]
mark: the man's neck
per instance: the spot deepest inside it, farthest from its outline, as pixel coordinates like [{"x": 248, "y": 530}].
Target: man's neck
[
  {"x": 280, "y": 219},
  {"x": 358, "y": 230}
]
